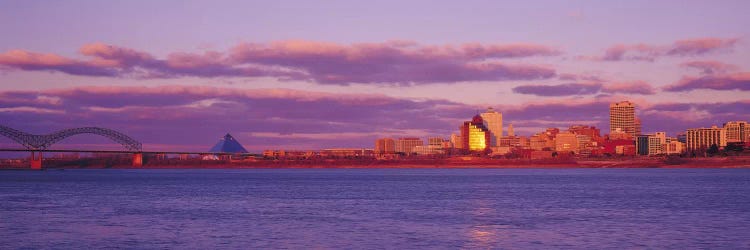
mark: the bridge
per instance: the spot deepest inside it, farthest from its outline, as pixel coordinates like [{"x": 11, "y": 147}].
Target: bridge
[{"x": 36, "y": 144}]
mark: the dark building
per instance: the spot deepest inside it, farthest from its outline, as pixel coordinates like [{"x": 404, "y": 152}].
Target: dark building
[
  {"x": 641, "y": 144},
  {"x": 228, "y": 145}
]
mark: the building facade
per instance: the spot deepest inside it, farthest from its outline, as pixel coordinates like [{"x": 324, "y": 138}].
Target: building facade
[
  {"x": 385, "y": 146},
  {"x": 475, "y": 137},
  {"x": 703, "y": 138},
  {"x": 737, "y": 131},
  {"x": 406, "y": 145},
  {"x": 566, "y": 142},
  {"x": 622, "y": 118},
  {"x": 493, "y": 121}
]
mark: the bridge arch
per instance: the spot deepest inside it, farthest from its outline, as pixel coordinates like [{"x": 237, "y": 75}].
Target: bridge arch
[{"x": 32, "y": 141}]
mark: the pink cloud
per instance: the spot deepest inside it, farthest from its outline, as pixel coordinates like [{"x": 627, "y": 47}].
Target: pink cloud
[
  {"x": 394, "y": 62},
  {"x": 700, "y": 46},
  {"x": 710, "y": 67},
  {"x": 647, "y": 52},
  {"x": 587, "y": 88},
  {"x": 735, "y": 81},
  {"x": 634, "y": 87}
]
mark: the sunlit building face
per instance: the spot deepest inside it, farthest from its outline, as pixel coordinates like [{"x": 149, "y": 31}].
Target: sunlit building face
[{"x": 477, "y": 138}]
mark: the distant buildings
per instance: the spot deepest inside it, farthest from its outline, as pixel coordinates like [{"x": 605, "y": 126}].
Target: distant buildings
[
  {"x": 484, "y": 133},
  {"x": 474, "y": 135},
  {"x": 567, "y": 142},
  {"x": 622, "y": 119},
  {"x": 406, "y": 145},
  {"x": 493, "y": 121},
  {"x": 385, "y": 146},
  {"x": 703, "y": 138},
  {"x": 737, "y": 131}
]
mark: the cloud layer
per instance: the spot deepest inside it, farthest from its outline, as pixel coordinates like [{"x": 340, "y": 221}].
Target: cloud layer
[
  {"x": 396, "y": 62},
  {"x": 735, "y": 81},
  {"x": 586, "y": 88},
  {"x": 647, "y": 52}
]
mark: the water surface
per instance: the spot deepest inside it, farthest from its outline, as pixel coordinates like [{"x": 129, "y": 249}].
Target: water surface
[{"x": 376, "y": 208}]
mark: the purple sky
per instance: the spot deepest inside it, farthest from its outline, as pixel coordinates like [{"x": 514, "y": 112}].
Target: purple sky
[{"x": 309, "y": 75}]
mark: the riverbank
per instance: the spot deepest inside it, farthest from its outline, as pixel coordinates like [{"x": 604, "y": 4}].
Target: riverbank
[{"x": 455, "y": 162}]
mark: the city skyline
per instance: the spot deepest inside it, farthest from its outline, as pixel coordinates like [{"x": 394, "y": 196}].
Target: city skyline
[{"x": 311, "y": 84}]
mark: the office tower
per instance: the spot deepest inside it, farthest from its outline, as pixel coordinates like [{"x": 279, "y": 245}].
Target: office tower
[
  {"x": 493, "y": 121},
  {"x": 475, "y": 136},
  {"x": 622, "y": 118}
]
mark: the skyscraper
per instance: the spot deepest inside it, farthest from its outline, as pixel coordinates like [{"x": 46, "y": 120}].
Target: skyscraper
[
  {"x": 475, "y": 136},
  {"x": 622, "y": 118},
  {"x": 493, "y": 121}
]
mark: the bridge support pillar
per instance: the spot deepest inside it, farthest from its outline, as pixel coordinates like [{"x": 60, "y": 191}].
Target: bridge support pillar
[
  {"x": 138, "y": 160},
  {"x": 36, "y": 160}
]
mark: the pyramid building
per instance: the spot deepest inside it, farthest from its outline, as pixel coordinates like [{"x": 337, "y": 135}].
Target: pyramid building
[{"x": 228, "y": 145}]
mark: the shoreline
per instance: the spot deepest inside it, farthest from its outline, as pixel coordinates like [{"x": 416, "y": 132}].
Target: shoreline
[{"x": 447, "y": 163}]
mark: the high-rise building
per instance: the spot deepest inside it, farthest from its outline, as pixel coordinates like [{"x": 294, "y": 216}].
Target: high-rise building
[
  {"x": 493, "y": 121},
  {"x": 622, "y": 117},
  {"x": 703, "y": 138},
  {"x": 475, "y": 136},
  {"x": 385, "y": 146},
  {"x": 406, "y": 145},
  {"x": 737, "y": 131}
]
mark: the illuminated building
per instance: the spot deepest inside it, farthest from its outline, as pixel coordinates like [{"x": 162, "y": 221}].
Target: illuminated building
[
  {"x": 622, "y": 116},
  {"x": 429, "y": 150},
  {"x": 703, "y": 138},
  {"x": 456, "y": 141},
  {"x": 406, "y": 145},
  {"x": 593, "y": 132},
  {"x": 493, "y": 121},
  {"x": 674, "y": 146},
  {"x": 737, "y": 131},
  {"x": 566, "y": 142},
  {"x": 385, "y": 146},
  {"x": 347, "y": 153},
  {"x": 475, "y": 137}
]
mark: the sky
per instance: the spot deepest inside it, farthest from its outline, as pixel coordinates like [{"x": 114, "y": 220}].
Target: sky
[{"x": 178, "y": 75}]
